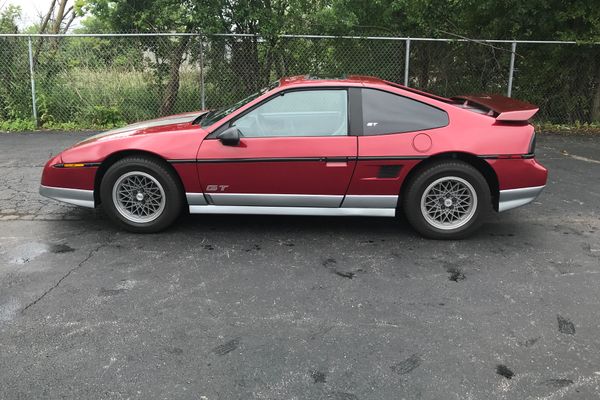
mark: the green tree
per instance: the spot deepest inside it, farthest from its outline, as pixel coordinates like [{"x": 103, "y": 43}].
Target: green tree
[
  {"x": 8, "y": 19},
  {"x": 15, "y": 99},
  {"x": 560, "y": 78},
  {"x": 564, "y": 80},
  {"x": 151, "y": 16}
]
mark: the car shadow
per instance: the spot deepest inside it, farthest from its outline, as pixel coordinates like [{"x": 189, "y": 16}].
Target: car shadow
[
  {"x": 281, "y": 224},
  {"x": 496, "y": 227}
]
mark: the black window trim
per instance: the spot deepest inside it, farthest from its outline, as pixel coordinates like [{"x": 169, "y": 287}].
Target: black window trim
[
  {"x": 354, "y": 124},
  {"x": 355, "y": 112},
  {"x": 406, "y": 97}
]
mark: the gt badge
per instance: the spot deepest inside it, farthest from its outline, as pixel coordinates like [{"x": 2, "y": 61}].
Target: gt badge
[{"x": 216, "y": 188}]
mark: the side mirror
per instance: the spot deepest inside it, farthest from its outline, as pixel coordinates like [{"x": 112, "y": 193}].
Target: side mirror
[{"x": 230, "y": 136}]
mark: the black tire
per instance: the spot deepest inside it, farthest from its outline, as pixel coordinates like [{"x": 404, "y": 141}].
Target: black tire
[
  {"x": 447, "y": 171},
  {"x": 153, "y": 169}
]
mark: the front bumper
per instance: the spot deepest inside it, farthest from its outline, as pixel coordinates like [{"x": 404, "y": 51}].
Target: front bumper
[
  {"x": 78, "y": 197},
  {"x": 513, "y": 198}
]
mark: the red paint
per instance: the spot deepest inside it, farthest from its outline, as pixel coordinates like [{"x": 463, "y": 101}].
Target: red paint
[
  {"x": 288, "y": 177},
  {"x": 365, "y": 180},
  {"x": 467, "y": 132},
  {"x": 519, "y": 173},
  {"x": 172, "y": 142},
  {"x": 74, "y": 178},
  {"x": 422, "y": 142},
  {"x": 189, "y": 177},
  {"x": 507, "y": 108}
]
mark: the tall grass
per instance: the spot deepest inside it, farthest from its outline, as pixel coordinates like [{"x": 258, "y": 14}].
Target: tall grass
[{"x": 110, "y": 97}]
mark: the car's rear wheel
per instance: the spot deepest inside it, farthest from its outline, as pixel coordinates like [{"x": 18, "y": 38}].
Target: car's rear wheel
[
  {"x": 447, "y": 200},
  {"x": 141, "y": 194}
]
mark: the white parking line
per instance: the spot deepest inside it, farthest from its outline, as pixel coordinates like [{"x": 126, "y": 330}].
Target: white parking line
[{"x": 580, "y": 158}]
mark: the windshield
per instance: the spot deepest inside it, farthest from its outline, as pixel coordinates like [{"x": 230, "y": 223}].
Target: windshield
[{"x": 215, "y": 115}]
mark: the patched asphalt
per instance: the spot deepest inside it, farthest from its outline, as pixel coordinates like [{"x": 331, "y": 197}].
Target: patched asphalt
[{"x": 254, "y": 307}]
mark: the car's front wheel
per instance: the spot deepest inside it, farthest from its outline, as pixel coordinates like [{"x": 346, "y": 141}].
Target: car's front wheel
[
  {"x": 141, "y": 194},
  {"x": 447, "y": 200}
]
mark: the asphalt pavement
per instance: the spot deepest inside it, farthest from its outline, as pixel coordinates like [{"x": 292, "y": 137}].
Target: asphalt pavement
[{"x": 255, "y": 307}]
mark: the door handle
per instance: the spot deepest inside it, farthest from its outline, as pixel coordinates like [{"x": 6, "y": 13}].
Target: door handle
[{"x": 334, "y": 162}]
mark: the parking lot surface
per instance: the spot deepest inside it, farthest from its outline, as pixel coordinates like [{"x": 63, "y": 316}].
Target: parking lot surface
[{"x": 255, "y": 307}]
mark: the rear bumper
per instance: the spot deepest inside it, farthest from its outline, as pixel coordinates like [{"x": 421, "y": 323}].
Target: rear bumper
[
  {"x": 513, "y": 198},
  {"x": 78, "y": 197},
  {"x": 520, "y": 180}
]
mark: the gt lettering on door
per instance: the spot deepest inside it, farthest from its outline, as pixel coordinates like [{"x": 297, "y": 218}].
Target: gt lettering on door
[{"x": 216, "y": 188}]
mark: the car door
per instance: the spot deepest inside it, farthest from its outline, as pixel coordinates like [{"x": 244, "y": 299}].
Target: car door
[{"x": 294, "y": 151}]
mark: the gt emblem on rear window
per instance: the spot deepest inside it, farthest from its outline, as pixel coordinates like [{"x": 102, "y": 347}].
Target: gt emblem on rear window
[{"x": 216, "y": 188}]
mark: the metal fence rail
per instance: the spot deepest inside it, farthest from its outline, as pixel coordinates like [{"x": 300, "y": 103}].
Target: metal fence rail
[{"x": 110, "y": 79}]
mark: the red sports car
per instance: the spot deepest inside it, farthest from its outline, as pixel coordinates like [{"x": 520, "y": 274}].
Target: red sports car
[{"x": 305, "y": 146}]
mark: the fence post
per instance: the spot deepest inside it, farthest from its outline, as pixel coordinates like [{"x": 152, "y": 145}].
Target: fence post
[
  {"x": 202, "y": 89},
  {"x": 35, "y": 116},
  {"x": 406, "y": 62},
  {"x": 511, "y": 69}
]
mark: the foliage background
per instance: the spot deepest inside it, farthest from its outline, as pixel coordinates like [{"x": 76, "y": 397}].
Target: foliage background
[{"x": 108, "y": 81}]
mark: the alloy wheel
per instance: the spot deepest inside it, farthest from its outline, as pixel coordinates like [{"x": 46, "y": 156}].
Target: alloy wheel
[
  {"x": 139, "y": 197},
  {"x": 449, "y": 203}
]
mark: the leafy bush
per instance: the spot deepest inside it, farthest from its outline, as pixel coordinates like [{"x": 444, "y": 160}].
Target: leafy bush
[
  {"x": 17, "y": 125},
  {"x": 102, "y": 115}
]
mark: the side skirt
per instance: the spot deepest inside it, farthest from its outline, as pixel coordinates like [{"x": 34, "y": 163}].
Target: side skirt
[{"x": 315, "y": 211}]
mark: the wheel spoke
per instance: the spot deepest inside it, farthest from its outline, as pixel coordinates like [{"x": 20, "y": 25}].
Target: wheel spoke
[
  {"x": 449, "y": 202},
  {"x": 139, "y": 197}
]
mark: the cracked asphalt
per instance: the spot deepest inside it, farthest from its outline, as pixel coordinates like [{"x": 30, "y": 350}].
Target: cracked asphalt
[{"x": 251, "y": 307}]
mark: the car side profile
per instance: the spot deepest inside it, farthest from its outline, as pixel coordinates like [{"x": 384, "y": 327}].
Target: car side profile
[{"x": 355, "y": 146}]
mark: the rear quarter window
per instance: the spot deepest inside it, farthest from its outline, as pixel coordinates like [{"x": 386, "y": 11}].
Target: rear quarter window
[{"x": 386, "y": 113}]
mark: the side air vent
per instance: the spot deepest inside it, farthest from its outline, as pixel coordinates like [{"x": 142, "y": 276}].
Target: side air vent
[{"x": 389, "y": 171}]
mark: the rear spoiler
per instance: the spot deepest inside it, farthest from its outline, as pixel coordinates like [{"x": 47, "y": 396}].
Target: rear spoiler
[{"x": 501, "y": 107}]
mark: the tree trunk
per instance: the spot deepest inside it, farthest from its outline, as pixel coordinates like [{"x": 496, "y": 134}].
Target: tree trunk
[
  {"x": 70, "y": 21},
  {"x": 269, "y": 59},
  {"x": 172, "y": 87},
  {"x": 423, "y": 74},
  {"x": 43, "y": 27},
  {"x": 60, "y": 15},
  {"x": 55, "y": 26}
]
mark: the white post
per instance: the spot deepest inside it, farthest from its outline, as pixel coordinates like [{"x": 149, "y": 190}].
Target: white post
[
  {"x": 35, "y": 116},
  {"x": 406, "y": 62},
  {"x": 511, "y": 69},
  {"x": 202, "y": 88}
]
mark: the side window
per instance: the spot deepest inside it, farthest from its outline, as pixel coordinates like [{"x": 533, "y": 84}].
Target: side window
[
  {"x": 385, "y": 112},
  {"x": 298, "y": 113}
]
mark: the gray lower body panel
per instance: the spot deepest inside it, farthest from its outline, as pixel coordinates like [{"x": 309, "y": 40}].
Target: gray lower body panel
[
  {"x": 273, "y": 200},
  {"x": 78, "y": 197},
  {"x": 196, "y": 199},
  {"x": 316, "y": 211},
  {"x": 369, "y": 201},
  {"x": 292, "y": 204},
  {"x": 513, "y": 198}
]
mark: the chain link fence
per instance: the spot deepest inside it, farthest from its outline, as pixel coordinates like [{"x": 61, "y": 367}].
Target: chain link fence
[{"x": 109, "y": 80}]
